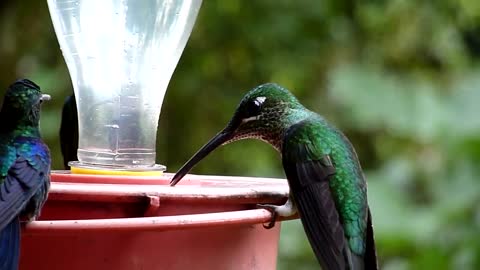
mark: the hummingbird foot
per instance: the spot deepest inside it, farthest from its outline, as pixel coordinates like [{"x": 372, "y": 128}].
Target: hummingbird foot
[
  {"x": 272, "y": 209},
  {"x": 286, "y": 210}
]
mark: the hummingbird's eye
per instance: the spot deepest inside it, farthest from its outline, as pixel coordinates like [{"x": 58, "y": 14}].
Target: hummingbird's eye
[
  {"x": 253, "y": 109},
  {"x": 255, "y": 106}
]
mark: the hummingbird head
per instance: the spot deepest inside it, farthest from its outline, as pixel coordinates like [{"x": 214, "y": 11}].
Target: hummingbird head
[
  {"x": 264, "y": 113},
  {"x": 21, "y": 105}
]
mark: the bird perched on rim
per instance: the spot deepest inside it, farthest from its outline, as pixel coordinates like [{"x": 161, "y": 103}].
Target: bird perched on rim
[
  {"x": 327, "y": 185},
  {"x": 69, "y": 131},
  {"x": 24, "y": 166}
]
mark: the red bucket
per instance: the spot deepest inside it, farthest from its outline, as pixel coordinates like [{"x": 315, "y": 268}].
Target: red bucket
[{"x": 130, "y": 222}]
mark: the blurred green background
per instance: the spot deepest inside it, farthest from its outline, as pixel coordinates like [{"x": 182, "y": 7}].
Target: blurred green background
[{"x": 401, "y": 78}]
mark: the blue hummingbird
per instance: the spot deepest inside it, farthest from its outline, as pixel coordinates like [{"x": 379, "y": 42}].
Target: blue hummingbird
[{"x": 24, "y": 166}]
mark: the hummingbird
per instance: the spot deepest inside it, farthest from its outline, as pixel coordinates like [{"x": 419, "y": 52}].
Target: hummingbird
[
  {"x": 327, "y": 186},
  {"x": 69, "y": 131},
  {"x": 24, "y": 166}
]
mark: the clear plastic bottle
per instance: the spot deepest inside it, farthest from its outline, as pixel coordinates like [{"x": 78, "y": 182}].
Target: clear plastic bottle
[{"x": 121, "y": 55}]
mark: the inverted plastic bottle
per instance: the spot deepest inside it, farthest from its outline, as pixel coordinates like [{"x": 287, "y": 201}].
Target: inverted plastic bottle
[{"x": 121, "y": 55}]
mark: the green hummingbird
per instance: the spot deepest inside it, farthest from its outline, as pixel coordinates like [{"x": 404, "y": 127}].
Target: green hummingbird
[{"x": 327, "y": 185}]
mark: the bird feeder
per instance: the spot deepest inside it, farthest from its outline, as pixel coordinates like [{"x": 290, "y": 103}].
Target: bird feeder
[
  {"x": 115, "y": 209},
  {"x": 140, "y": 222}
]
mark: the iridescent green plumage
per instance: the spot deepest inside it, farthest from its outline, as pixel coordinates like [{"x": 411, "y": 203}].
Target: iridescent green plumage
[
  {"x": 347, "y": 185},
  {"x": 325, "y": 178}
]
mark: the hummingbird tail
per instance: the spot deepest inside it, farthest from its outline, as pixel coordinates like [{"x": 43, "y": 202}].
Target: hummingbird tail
[
  {"x": 369, "y": 260},
  {"x": 10, "y": 245},
  {"x": 371, "y": 252}
]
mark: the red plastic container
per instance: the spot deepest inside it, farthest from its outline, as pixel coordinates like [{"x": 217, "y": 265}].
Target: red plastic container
[{"x": 117, "y": 222}]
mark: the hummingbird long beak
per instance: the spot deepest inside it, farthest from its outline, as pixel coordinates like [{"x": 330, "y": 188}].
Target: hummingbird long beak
[{"x": 218, "y": 140}]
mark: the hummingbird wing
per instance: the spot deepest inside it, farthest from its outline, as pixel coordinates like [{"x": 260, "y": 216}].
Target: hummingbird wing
[
  {"x": 24, "y": 170},
  {"x": 308, "y": 172},
  {"x": 27, "y": 175}
]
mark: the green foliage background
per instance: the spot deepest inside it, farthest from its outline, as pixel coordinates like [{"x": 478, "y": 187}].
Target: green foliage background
[{"x": 400, "y": 77}]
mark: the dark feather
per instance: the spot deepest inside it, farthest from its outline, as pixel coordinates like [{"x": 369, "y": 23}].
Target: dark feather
[
  {"x": 22, "y": 191},
  {"x": 321, "y": 224},
  {"x": 20, "y": 185},
  {"x": 10, "y": 245},
  {"x": 371, "y": 252}
]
